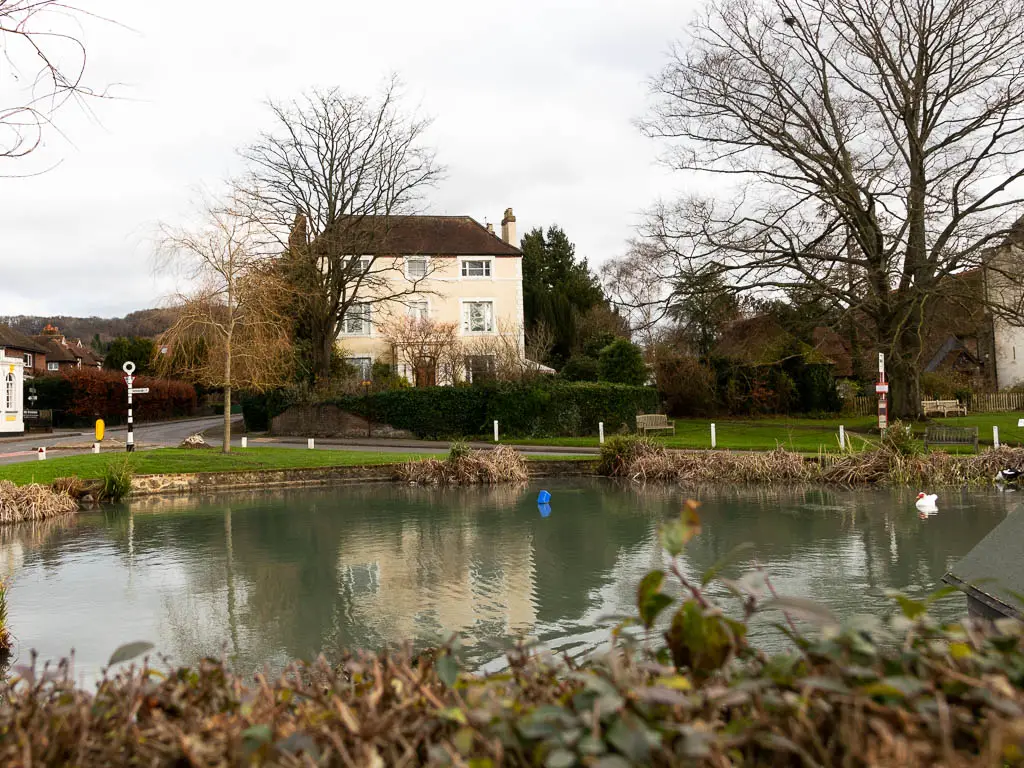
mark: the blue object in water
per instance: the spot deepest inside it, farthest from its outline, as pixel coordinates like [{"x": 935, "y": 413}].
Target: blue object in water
[
  {"x": 545, "y": 509},
  {"x": 543, "y": 497}
]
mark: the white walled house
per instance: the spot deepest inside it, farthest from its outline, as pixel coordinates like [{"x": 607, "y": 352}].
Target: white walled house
[
  {"x": 461, "y": 275},
  {"x": 1004, "y": 285},
  {"x": 12, "y": 383}
]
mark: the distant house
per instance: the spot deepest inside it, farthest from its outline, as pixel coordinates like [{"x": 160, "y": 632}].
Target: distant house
[
  {"x": 64, "y": 354},
  {"x": 16, "y": 345},
  {"x": 455, "y": 271}
]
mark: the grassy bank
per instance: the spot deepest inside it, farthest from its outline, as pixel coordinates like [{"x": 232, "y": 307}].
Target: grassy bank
[
  {"x": 800, "y": 435},
  {"x": 683, "y": 686},
  {"x": 182, "y": 460}
]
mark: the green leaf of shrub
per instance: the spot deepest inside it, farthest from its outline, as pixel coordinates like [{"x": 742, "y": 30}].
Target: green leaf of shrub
[
  {"x": 649, "y": 599},
  {"x": 447, "y": 670},
  {"x": 129, "y": 651},
  {"x": 729, "y": 557}
]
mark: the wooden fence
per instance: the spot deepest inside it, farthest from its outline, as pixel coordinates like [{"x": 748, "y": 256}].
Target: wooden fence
[
  {"x": 997, "y": 401},
  {"x": 980, "y": 403}
]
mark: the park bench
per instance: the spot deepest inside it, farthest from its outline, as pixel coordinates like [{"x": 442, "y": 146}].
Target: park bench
[
  {"x": 653, "y": 422},
  {"x": 943, "y": 435},
  {"x": 945, "y": 407}
]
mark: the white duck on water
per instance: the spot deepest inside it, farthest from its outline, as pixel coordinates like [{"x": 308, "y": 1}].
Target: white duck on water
[{"x": 926, "y": 502}]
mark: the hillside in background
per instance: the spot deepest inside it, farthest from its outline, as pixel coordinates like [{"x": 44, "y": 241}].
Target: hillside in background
[{"x": 146, "y": 322}]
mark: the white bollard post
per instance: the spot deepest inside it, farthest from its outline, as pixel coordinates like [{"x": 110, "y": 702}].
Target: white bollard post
[
  {"x": 842, "y": 438},
  {"x": 495, "y": 430},
  {"x": 600, "y": 432},
  {"x": 245, "y": 442},
  {"x": 42, "y": 453},
  {"x": 714, "y": 437},
  {"x": 95, "y": 447},
  {"x": 995, "y": 436},
  {"x": 309, "y": 443}
]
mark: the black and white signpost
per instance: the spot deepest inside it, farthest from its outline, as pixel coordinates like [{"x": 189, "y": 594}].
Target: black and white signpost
[{"x": 129, "y": 369}]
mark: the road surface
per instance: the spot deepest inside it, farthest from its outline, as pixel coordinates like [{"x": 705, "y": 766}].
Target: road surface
[{"x": 153, "y": 435}]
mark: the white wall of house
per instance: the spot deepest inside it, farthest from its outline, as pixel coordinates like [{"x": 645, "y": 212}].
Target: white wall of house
[
  {"x": 481, "y": 295},
  {"x": 1003, "y": 286},
  {"x": 12, "y": 383},
  {"x": 1009, "y": 349}
]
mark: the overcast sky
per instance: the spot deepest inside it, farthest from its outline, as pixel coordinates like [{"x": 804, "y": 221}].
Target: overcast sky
[{"x": 533, "y": 103}]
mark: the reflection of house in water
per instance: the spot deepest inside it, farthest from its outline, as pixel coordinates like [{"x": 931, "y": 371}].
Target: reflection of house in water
[{"x": 425, "y": 580}]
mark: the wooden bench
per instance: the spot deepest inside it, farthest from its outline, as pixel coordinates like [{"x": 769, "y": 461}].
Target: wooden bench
[
  {"x": 942, "y": 435},
  {"x": 945, "y": 407},
  {"x": 653, "y": 422}
]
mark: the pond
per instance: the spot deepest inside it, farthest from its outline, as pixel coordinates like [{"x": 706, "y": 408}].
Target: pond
[{"x": 271, "y": 576}]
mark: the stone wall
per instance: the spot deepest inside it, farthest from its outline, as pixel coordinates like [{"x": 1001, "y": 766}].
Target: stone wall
[
  {"x": 328, "y": 421},
  {"x": 205, "y": 482}
]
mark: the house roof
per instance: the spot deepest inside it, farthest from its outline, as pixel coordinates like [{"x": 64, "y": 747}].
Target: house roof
[
  {"x": 55, "y": 351},
  {"x": 18, "y": 340},
  {"x": 427, "y": 236},
  {"x": 993, "y": 571}
]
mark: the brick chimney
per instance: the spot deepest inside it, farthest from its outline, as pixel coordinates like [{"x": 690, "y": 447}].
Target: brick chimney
[
  {"x": 508, "y": 228},
  {"x": 490, "y": 228}
]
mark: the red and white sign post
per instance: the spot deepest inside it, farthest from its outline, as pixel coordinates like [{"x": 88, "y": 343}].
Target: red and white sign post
[{"x": 882, "y": 388}]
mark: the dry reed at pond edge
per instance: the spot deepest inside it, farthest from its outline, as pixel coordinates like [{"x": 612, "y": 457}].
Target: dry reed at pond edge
[
  {"x": 32, "y": 502},
  {"x": 464, "y": 467},
  {"x": 644, "y": 461}
]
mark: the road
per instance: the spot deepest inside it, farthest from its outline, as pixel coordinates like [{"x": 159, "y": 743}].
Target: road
[
  {"x": 153, "y": 435},
  {"x": 170, "y": 434}
]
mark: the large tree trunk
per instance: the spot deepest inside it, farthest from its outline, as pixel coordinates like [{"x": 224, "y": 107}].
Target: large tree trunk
[
  {"x": 323, "y": 352},
  {"x": 227, "y": 419}
]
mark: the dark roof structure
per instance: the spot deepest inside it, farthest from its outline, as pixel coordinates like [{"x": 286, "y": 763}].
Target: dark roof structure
[
  {"x": 55, "y": 351},
  {"x": 992, "y": 574},
  {"x": 18, "y": 340},
  {"x": 421, "y": 235}
]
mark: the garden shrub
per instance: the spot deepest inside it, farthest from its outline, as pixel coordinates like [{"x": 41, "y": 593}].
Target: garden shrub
[
  {"x": 580, "y": 368},
  {"x": 686, "y": 385},
  {"x": 622, "y": 362},
  {"x": 523, "y": 409},
  {"x": 80, "y": 396}
]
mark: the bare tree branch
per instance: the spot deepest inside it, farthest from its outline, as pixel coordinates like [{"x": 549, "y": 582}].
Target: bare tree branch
[
  {"x": 875, "y": 149},
  {"x": 327, "y": 185}
]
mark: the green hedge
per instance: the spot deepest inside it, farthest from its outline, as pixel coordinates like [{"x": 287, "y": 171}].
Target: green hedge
[{"x": 548, "y": 409}]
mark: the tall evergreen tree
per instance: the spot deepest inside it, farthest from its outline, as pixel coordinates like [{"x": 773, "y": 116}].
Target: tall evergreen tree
[{"x": 557, "y": 289}]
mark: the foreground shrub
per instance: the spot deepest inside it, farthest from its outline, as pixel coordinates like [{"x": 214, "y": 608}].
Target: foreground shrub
[
  {"x": 621, "y": 452},
  {"x": 466, "y": 467},
  {"x": 680, "y": 685},
  {"x": 32, "y": 502}
]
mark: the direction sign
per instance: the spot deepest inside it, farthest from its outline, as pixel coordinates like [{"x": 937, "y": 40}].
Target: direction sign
[{"x": 139, "y": 390}]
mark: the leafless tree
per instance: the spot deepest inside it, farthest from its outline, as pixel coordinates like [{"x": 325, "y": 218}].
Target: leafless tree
[
  {"x": 430, "y": 351},
  {"x": 42, "y": 68},
  {"x": 867, "y": 150},
  {"x": 331, "y": 183},
  {"x": 231, "y": 330}
]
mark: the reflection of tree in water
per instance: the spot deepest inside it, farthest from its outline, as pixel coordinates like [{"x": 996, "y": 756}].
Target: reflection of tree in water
[{"x": 20, "y": 539}]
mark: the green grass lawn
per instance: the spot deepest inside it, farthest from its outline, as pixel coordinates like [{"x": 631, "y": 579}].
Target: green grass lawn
[
  {"x": 802, "y": 435},
  {"x": 172, "y": 460}
]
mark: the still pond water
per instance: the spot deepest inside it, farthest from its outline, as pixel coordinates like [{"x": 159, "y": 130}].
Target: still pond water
[{"x": 273, "y": 576}]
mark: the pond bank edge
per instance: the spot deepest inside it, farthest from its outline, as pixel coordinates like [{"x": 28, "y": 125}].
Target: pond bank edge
[{"x": 205, "y": 482}]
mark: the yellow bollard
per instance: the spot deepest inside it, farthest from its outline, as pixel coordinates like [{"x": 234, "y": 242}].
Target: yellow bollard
[{"x": 99, "y": 430}]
